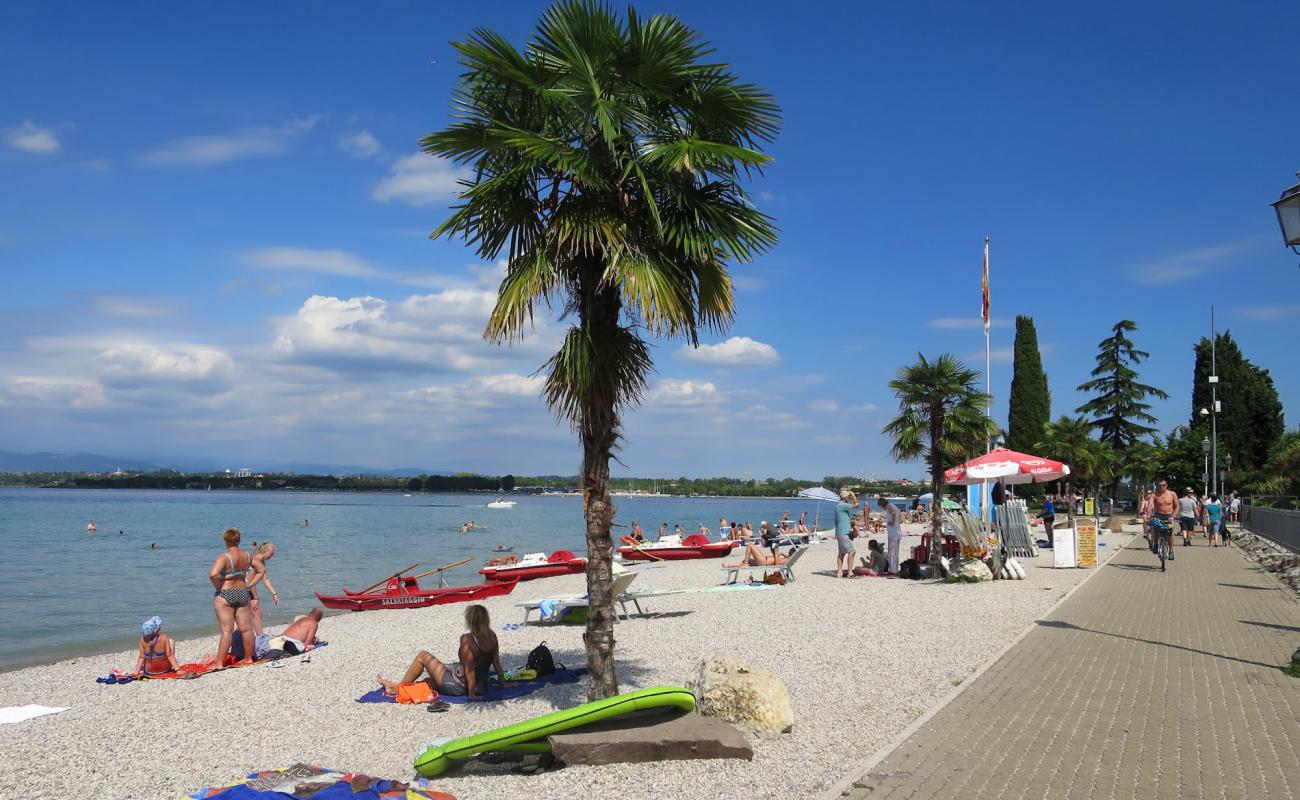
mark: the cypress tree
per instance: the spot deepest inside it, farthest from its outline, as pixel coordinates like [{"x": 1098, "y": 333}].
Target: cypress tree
[{"x": 1030, "y": 407}]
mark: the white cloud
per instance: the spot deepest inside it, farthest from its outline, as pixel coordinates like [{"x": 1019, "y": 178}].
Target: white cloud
[
  {"x": 1191, "y": 263},
  {"x": 824, "y": 406},
  {"x": 52, "y": 393},
  {"x": 1269, "y": 313},
  {"x": 963, "y": 323},
  {"x": 32, "y": 138},
  {"x": 736, "y": 351},
  {"x": 420, "y": 179},
  {"x": 127, "y": 307},
  {"x": 748, "y": 283},
  {"x": 302, "y": 259},
  {"x": 439, "y": 332},
  {"x": 135, "y": 365},
  {"x": 675, "y": 392},
  {"x": 765, "y": 417},
  {"x": 218, "y": 148},
  {"x": 863, "y": 408},
  {"x": 997, "y": 355},
  {"x": 361, "y": 144}
]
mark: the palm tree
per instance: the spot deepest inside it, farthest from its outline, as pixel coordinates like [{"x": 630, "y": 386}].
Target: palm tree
[
  {"x": 941, "y": 419},
  {"x": 1069, "y": 440},
  {"x": 608, "y": 166}
]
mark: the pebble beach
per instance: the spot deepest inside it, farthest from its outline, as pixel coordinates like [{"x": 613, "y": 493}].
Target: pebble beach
[{"x": 862, "y": 659}]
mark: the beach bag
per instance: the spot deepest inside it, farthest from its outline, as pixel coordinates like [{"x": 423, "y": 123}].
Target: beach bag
[
  {"x": 540, "y": 660},
  {"x": 774, "y": 578},
  {"x": 910, "y": 570},
  {"x": 414, "y": 694}
]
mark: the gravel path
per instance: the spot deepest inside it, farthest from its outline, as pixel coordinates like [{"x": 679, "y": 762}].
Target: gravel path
[{"x": 862, "y": 658}]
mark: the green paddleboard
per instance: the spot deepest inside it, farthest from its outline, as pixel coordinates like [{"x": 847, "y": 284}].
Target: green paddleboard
[{"x": 436, "y": 760}]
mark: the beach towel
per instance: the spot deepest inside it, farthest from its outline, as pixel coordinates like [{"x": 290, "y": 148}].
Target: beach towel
[
  {"x": 11, "y": 714},
  {"x": 494, "y": 693},
  {"x": 309, "y": 782},
  {"x": 191, "y": 670}
]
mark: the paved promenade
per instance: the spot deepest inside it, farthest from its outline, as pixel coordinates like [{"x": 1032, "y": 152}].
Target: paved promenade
[{"x": 1141, "y": 685}]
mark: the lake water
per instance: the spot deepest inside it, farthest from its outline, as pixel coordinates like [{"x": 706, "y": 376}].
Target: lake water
[{"x": 63, "y": 592}]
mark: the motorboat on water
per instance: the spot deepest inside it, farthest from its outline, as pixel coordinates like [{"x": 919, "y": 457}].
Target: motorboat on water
[
  {"x": 501, "y": 502},
  {"x": 533, "y": 566},
  {"x": 672, "y": 547}
]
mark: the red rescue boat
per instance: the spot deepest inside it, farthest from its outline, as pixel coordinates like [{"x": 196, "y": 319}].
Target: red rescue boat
[
  {"x": 403, "y": 591},
  {"x": 533, "y": 566},
  {"x": 675, "y": 548}
]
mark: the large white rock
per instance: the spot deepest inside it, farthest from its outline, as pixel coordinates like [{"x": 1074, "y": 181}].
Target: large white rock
[
  {"x": 756, "y": 701},
  {"x": 972, "y": 567}
]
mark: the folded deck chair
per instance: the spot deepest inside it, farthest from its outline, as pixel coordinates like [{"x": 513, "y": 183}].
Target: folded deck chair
[
  {"x": 554, "y": 608},
  {"x": 786, "y": 569}
]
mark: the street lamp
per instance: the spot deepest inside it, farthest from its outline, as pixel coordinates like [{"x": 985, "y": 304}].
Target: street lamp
[
  {"x": 1288, "y": 216},
  {"x": 1227, "y": 467},
  {"x": 1205, "y": 448}
]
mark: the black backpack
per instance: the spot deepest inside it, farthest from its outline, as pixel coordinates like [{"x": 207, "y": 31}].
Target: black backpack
[
  {"x": 909, "y": 570},
  {"x": 541, "y": 660}
]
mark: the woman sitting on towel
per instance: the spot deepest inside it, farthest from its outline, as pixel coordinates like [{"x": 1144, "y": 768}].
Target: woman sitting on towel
[
  {"x": 757, "y": 558},
  {"x": 157, "y": 652},
  {"x": 876, "y": 564},
  {"x": 468, "y": 676}
]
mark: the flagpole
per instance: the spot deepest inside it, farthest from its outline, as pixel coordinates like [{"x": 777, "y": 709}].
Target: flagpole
[{"x": 988, "y": 380}]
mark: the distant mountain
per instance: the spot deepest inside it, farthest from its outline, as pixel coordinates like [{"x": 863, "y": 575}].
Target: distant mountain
[
  {"x": 90, "y": 462},
  {"x": 69, "y": 462}
]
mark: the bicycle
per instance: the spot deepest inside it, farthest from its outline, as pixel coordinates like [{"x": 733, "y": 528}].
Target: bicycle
[{"x": 1164, "y": 533}]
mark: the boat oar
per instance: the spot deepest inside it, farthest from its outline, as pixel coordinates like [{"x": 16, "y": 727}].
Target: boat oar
[
  {"x": 440, "y": 569},
  {"x": 372, "y": 587}
]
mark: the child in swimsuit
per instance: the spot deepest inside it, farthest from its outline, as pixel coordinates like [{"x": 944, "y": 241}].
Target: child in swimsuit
[{"x": 157, "y": 651}]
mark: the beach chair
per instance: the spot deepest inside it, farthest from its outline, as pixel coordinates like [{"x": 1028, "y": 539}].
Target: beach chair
[
  {"x": 621, "y": 588},
  {"x": 787, "y": 569}
]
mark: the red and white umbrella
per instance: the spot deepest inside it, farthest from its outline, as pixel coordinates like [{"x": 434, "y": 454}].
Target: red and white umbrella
[{"x": 1007, "y": 466}]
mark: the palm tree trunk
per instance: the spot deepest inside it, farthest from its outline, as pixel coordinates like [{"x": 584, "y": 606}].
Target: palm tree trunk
[
  {"x": 599, "y": 511},
  {"x": 598, "y": 430}
]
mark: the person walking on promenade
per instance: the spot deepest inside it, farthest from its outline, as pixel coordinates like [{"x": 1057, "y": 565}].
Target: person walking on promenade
[
  {"x": 1189, "y": 511},
  {"x": 893, "y": 530},
  {"x": 1213, "y": 511},
  {"x": 845, "y": 557}
]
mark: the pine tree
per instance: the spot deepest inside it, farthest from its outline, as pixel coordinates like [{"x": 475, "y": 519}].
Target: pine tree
[
  {"x": 1119, "y": 409},
  {"x": 1250, "y": 417},
  {"x": 1030, "y": 406}
]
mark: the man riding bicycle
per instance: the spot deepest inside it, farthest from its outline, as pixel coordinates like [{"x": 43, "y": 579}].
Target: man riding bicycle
[{"x": 1163, "y": 507}]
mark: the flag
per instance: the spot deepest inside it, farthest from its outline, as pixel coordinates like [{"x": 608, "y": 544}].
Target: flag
[{"x": 985, "y": 312}]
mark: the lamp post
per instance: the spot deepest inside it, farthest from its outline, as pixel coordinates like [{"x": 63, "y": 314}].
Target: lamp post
[
  {"x": 1205, "y": 476},
  {"x": 1288, "y": 215}
]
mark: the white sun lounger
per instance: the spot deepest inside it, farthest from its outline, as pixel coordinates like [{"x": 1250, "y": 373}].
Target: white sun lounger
[
  {"x": 786, "y": 569},
  {"x": 620, "y": 589}
]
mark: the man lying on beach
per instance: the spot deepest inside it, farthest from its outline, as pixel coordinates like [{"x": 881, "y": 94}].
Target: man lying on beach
[
  {"x": 300, "y": 634},
  {"x": 757, "y": 558},
  {"x": 468, "y": 676},
  {"x": 157, "y": 651}
]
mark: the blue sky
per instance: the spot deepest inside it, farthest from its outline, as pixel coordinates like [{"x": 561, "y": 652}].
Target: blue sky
[{"x": 213, "y": 229}]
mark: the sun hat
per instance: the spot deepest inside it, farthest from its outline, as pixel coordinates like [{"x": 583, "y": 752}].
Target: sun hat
[{"x": 151, "y": 626}]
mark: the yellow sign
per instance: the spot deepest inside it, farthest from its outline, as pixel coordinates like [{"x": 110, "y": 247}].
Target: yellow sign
[{"x": 1085, "y": 542}]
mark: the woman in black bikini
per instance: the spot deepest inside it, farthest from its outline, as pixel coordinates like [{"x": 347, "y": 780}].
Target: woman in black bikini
[
  {"x": 233, "y": 596},
  {"x": 467, "y": 676}
]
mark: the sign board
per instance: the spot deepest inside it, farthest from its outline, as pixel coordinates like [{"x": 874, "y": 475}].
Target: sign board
[
  {"x": 1063, "y": 551},
  {"x": 1085, "y": 543}
]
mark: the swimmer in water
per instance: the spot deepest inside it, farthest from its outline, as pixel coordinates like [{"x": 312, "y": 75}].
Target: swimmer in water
[
  {"x": 306, "y": 524},
  {"x": 153, "y": 545},
  {"x": 90, "y": 527}
]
